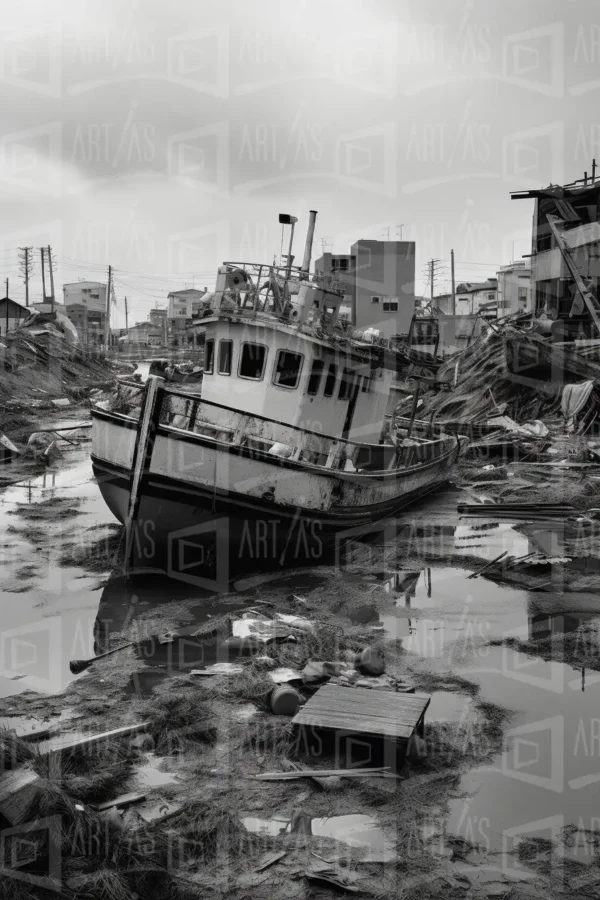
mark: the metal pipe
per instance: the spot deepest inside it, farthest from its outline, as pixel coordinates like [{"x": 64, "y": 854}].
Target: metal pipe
[
  {"x": 289, "y": 256},
  {"x": 312, "y": 220}
]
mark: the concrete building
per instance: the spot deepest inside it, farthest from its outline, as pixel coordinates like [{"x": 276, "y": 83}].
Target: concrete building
[
  {"x": 378, "y": 279},
  {"x": 576, "y": 206},
  {"x": 477, "y": 297},
  {"x": 182, "y": 306},
  {"x": 85, "y": 305},
  {"x": 514, "y": 289},
  {"x": 11, "y": 314},
  {"x": 159, "y": 320},
  {"x": 144, "y": 333}
]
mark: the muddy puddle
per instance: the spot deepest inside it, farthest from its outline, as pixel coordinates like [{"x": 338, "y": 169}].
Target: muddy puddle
[
  {"x": 546, "y": 776},
  {"x": 57, "y": 605}
]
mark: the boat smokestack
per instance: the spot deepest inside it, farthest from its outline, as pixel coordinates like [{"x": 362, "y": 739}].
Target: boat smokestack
[{"x": 312, "y": 219}]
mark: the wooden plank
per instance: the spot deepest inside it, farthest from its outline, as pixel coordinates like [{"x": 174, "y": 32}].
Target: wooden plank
[
  {"x": 65, "y": 743},
  {"x": 352, "y": 725},
  {"x": 141, "y": 457},
  {"x": 366, "y": 695},
  {"x": 17, "y": 791},
  {"x": 123, "y": 800},
  {"x": 365, "y": 699},
  {"x": 401, "y": 717}
]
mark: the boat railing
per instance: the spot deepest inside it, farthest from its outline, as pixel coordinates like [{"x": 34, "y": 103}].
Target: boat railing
[
  {"x": 293, "y": 442},
  {"x": 181, "y": 411}
]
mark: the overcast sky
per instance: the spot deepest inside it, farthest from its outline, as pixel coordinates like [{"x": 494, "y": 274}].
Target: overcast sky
[{"x": 165, "y": 137}]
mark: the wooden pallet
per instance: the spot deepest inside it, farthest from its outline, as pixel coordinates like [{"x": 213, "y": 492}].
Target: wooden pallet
[{"x": 362, "y": 711}]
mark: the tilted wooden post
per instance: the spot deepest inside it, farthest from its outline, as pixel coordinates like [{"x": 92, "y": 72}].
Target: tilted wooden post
[{"x": 141, "y": 457}]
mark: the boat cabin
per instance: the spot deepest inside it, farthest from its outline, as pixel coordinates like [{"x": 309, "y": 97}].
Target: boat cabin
[{"x": 276, "y": 371}]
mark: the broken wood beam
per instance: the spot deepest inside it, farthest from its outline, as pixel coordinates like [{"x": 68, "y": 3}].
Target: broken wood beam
[{"x": 68, "y": 743}]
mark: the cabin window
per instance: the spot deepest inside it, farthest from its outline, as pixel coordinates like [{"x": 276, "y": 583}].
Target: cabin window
[
  {"x": 330, "y": 380},
  {"x": 346, "y": 384},
  {"x": 252, "y": 361},
  {"x": 209, "y": 357},
  {"x": 314, "y": 379},
  {"x": 287, "y": 369},
  {"x": 225, "y": 354}
]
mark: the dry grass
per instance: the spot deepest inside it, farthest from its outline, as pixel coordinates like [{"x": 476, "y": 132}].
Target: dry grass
[{"x": 179, "y": 716}]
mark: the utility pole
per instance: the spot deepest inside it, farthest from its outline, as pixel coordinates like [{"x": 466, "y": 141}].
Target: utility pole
[
  {"x": 51, "y": 275},
  {"x": 107, "y": 314},
  {"x": 26, "y": 269},
  {"x": 7, "y": 306},
  {"x": 126, "y": 318},
  {"x": 433, "y": 267},
  {"x": 43, "y": 257},
  {"x": 453, "y": 282}
]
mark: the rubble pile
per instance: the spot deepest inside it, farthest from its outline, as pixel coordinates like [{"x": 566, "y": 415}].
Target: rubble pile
[
  {"x": 41, "y": 360},
  {"x": 510, "y": 373}
]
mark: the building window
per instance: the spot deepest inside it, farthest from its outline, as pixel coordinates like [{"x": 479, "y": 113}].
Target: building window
[
  {"x": 330, "y": 380},
  {"x": 252, "y": 361},
  {"x": 209, "y": 357},
  {"x": 346, "y": 384},
  {"x": 375, "y": 299},
  {"x": 390, "y": 306},
  {"x": 287, "y": 369},
  {"x": 225, "y": 354},
  {"x": 314, "y": 379},
  {"x": 523, "y": 296},
  {"x": 366, "y": 383}
]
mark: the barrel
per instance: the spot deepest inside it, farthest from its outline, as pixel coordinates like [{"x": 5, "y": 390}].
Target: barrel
[{"x": 285, "y": 701}]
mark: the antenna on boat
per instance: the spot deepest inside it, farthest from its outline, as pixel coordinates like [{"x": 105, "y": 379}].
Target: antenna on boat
[
  {"x": 285, "y": 219},
  {"x": 312, "y": 220}
]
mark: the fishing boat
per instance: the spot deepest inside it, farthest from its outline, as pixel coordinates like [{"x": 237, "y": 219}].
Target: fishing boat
[{"x": 285, "y": 453}]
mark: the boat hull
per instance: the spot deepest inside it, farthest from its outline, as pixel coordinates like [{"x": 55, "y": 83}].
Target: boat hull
[{"x": 205, "y": 534}]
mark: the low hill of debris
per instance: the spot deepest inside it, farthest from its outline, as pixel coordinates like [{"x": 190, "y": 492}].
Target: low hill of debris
[
  {"x": 512, "y": 373},
  {"x": 40, "y": 361}
]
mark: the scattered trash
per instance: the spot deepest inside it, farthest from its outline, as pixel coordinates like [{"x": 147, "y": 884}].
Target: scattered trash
[
  {"x": 223, "y": 668},
  {"x": 315, "y": 672},
  {"x": 7, "y": 449},
  {"x": 18, "y": 790},
  {"x": 120, "y": 802},
  {"x": 80, "y": 665},
  {"x": 371, "y": 661},
  {"x": 61, "y": 401},
  {"x": 341, "y": 878},
  {"x": 283, "y": 675},
  {"x": 270, "y": 859},
  {"x": 293, "y": 774}
]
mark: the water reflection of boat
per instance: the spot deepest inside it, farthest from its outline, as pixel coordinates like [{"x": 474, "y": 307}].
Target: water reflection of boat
[{"x": 285, "y": 449}]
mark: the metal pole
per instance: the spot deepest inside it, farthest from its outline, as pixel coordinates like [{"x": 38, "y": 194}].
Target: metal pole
[
  {"x": 43, "y": 274},
  {"x": 453, "y": 282},
  {"x": 312, "y": 219},
  {"x": 107, "y": 313},
  {"x": 7, "y": 306},
  {"x": 51, "y": 275},
  {"x": 289, "y": 262}
]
